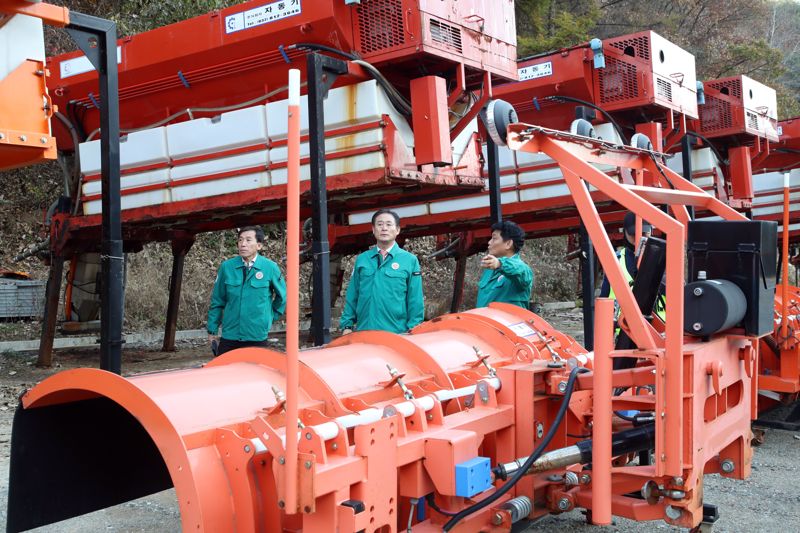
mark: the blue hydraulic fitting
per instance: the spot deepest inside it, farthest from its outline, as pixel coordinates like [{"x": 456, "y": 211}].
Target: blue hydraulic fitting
[
  {"x": 597, "y": 47},
  {"x": 701, "y": 93}
]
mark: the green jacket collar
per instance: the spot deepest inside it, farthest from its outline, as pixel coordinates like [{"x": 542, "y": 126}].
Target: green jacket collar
[
  {"x": 376, "y": 250},
  {"x": 260, "y": 262}
]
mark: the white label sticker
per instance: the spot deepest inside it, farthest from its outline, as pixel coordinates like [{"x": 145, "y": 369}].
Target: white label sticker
[
  {"x": 535, "y": 71},
  {"x": 262, "y": 15},
  {"x": 780, "y": 131},
  {"x": 522, "y": 329},
  {"x": 80, "y": 65}
]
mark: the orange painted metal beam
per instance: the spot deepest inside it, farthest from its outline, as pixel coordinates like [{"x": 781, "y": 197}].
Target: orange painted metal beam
[
  {"x": 53, "y": 15},
  {"x": 293, "y": 288},
  {"x": 602, "y": 411}
]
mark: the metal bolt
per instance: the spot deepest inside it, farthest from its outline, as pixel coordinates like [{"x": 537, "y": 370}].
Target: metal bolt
[
  {"x": 282, "y": 460},
  {"x": 562, "y": 387},
  {"x": 697, "y": 291},
  {"x": 539, "y": 430},
  {"x": 334, "y": 446},
  {"x": 663, "y": 414},
  {"x": 563, "y": 504},
  {"x": 39, "y": 72},
  {"x": 23, "y": 138},
  {"x": 586, "y": 479},
  {"x": 430, "y": 416},
  {"x": 571, "y": 478},
  {"x": 677, "y": 481},
  {"x": 281, "y": 504},
  {"x": 308, "y": 465},
  {"x": 697, "y": 326},
  {"x": 246, "y": 448},
  {"x": 307, "y": 509},
  {"x": 308, "y": 436},
  {"x": 728, "y": 466},
  {"x": 43, "y": 140},
  {"x": 663, "y": 457},
  {"x": 2, "y": 136},
  {"x": 497, "y": 519}
]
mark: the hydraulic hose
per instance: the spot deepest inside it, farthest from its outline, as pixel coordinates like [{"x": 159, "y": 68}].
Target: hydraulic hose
[
  {"x": 562, "y": 409},
  {"x": 628, "y": 441},
  {"x": 323, "y": 48},
  {"x": 596, "y": 107}
]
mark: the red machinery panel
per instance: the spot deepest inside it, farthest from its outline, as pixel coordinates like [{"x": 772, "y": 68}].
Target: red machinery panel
[
  {"x": 643, "y": 73},
  {"x": 431, "y": 121},
  {"x": 213, "y": 60},
  {"x": 740, "y": 107},
  {"x": 785, "y": 154},
  {"x": 403, "y": 30},
  {"x": 646, "y": 69},
  {"x": 196, "y": 62}
]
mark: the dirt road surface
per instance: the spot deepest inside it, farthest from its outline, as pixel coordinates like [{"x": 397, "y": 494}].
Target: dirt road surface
[{"x": 767, "y": 501}]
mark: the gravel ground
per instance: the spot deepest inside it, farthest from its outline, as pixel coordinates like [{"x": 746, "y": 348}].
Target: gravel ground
[{"x": 767, "y": 501}]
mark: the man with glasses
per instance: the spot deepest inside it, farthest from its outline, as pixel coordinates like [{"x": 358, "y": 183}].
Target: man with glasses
[{"x": 385, "y": 290}]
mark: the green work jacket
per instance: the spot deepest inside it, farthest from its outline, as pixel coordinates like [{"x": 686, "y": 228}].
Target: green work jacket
[
  {"x": 246, "y": 302},
  {"x": 384, "y": 294},
  {"x": 511, "y": 283}
]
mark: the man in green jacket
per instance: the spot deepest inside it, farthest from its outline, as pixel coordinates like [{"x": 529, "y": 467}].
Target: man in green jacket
[
  {"x": 248, "y": 293},
  {"x": 506, "y": 277},
  {"x": 385, "y": 290}
]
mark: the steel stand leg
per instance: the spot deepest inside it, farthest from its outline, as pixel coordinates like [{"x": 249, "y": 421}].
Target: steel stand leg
[
  {"x": 180, "y": 247},
  {"x": 52, "y": 294}
]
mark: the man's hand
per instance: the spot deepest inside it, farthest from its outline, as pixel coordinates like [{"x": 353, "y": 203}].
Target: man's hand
[
  {"x": 490, "y": 262},
  {"x": 212, "y": 338},
  {"x": 347, "y": 331}
]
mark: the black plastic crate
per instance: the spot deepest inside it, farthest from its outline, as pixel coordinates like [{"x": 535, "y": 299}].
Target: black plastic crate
[{"x": 744, "y": 252}]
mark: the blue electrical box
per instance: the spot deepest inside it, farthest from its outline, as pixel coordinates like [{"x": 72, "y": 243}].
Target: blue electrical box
[{"x": 473, "y": 477}]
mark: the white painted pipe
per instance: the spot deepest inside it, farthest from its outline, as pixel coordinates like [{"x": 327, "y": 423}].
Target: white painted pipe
[{"x": 330, "y": 430}]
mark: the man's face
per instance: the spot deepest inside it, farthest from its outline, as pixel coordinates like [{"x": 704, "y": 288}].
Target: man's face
[
  {"x": 248, "y": 245},
  {"x": 385, "y": 229},
  {"x": 498, "y": 247}
]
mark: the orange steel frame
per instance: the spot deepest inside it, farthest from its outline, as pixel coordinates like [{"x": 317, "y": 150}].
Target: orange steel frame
[
  {"x": 25, "y": 137},
  {"x": 684, "y": 411},
  {"x": 469, "y": 384}
]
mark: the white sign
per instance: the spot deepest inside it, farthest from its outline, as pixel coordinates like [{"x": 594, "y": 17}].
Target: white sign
[
  {"x": 780, "y": 131},
  {"x": 262, "y": 15},
  {"x": 80, "y": 65},
  {"x": 535, "y": 71},
  {"x": 522, "y": 329}
]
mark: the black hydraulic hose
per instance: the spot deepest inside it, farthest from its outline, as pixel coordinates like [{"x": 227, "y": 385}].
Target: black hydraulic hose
[
  {"x": 432, "y": 503},
  {"x": 708, "y": 143},
  {"x": 323, "y": 48},
  {"x": 562, "y": 409},
  {"x": 596, "y": 107},
  {"x": 394, "y": 97},
  {"x": 76, "y": 168},
  {"x": 622, "y": 442}
]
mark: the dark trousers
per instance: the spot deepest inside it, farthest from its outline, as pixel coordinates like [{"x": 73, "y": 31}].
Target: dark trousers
[{"x": 226, "y": 345}]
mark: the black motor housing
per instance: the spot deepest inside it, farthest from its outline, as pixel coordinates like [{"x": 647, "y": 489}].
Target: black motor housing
[
  {"x": 711, "y": 306},
  {"x": 745, "y": 253}
]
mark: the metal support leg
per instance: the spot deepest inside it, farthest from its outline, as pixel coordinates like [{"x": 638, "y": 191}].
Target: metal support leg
[
  {"x": 97, "y": 38},
  {"x": 587, "y": 287},
  {"x": 322, "y": 72},
  {"x": 52, "y": 294},
  {"x": 180, "y": 247},
  {"x": 493, "y": 162},
  {"x": 686, "y": 158},
  {"x": 458, "y": 283}
]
